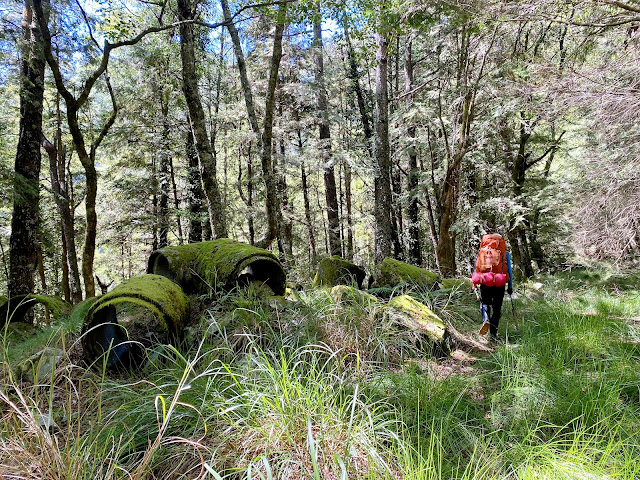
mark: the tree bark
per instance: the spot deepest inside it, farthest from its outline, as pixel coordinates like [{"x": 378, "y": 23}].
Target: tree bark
[
  {"x": 331, "y": 196},
  {"x": 207, "y": 160},
  {"x": 382, "y": 207},
  {"x": 26, "y": 189}
]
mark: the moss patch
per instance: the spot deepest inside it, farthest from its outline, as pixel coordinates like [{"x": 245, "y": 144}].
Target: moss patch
[
  {"x": 457, "y": 284},
  {"x": 352, "y": 296},
  {"x": 394, "y": 273},
  {"x": 79, "y": 313},
  {"x": 335, "y": 270},
  {"x": 218, "y": 264},
  {"x": 155, "y": 292},
  {"x": 405, "y": 310}
]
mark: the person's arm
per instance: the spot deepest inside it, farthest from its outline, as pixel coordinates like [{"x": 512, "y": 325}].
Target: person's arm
[{"x": 510, "y": 287}]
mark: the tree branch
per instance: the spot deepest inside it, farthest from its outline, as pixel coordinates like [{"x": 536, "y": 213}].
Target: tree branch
[
  {"x": 86, "y": 21},
  {"x": 110, "y": 121},
  {"x": 246, "y": 7},
  {"x": 528, "y": 165}
]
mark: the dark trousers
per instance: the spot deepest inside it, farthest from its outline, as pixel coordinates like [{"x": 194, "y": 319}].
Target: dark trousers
[{"x": 491, "y": 298}]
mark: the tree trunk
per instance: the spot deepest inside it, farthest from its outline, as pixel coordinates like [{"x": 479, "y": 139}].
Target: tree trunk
[
  {"x": 61, "y": 196},
  {"x": 307, "y": 204},
  {"x": 414, "y": 251},
  {"x": 382, "y": 208},
  {"x": 176, "y": 201},
  {"x": 163, "y": 173},
  {"x": 88, "y": 252},
  {"x": 264, "y": 139},
  {"x": 250, "y": 181},
  {"x": 26, "y": 189},
  {"x": 354, "y": 77},
  {"x": 396, "y": 214},
  {"x": 331, "y": 196},
  {"x": 285, "y": 212},
  {"x": 446, "y": 251},
  {"x": 267, "y": 134},
  {"x": 216, "y": 209},
  {"x": 348, "y": 200},
  {"x": 195, "y": 190}
]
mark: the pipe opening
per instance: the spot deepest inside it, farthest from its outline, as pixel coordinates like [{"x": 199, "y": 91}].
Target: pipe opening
[{"x": 122, "y": 333}]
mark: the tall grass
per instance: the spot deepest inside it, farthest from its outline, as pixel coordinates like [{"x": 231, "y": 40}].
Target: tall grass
[{"x": 309, "y": 389}]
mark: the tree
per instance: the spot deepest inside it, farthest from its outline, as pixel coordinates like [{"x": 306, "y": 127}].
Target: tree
[
  {"x": 74, "y": 103},
  {"x": 382, "y": 180},
  {"x": 196, "y": 113},
  {"x": 25, "y": 220},
  {"x": 331, "y": 196},
  {"x": 264, "y": 137}
]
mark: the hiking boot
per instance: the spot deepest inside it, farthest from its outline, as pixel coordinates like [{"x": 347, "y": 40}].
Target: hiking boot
[{"x": 485, "y": 327}]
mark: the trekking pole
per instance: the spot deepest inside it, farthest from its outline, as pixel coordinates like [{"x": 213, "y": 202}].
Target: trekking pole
[{"x": 513, "y": 310}]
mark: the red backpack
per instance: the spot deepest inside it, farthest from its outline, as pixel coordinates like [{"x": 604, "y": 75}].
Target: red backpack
[{"x": 491, "y": 265}]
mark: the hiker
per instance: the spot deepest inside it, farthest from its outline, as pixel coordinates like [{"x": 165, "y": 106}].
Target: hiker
[{"x": 492, "y": 273}]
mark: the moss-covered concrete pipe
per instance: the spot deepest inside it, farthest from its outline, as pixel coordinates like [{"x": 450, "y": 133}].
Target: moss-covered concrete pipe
[
  {"x": 222, "y": 263},
  {"x": 15, "y": 309},
  {"x": 335, "y": 270},
  {"x": 165, "y": 307}
]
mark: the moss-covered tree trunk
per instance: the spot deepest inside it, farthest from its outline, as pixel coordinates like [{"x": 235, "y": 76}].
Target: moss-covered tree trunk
[
  {"x": 382, "y": 180},
  {"x": 268, "y": 173},
  {"x": 198, "y": 121},
  {"x": 26, "y": 189}
]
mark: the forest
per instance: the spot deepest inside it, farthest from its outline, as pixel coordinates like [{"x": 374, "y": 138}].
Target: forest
[{"x": 277, "y": 207}]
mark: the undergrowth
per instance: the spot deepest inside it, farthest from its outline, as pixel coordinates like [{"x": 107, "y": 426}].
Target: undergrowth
[{"x": 314, "y": 388}]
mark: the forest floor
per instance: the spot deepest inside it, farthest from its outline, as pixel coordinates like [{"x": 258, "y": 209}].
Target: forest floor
[{"x": 313, "y": 389}]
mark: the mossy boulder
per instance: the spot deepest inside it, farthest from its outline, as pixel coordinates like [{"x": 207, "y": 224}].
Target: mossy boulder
[
  {"x": 463, "y": 284},
  {"x": 335, "y": 270},
  {"x": 15, "y": 309},
  {"x": 39, "y": 366},
  {"x": 352, "y": 296},
  {"x": 139, "y": 312},
  {"x": 408, "y": 313},
  {"x": 218, "y": 264},
  {"x": 394, "y": 273}
]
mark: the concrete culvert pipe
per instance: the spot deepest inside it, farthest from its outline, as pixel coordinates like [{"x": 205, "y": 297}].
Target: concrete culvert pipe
[
  {"x": 219, "y": 264},
  {"x": 15, "y": 309},
  {"x": 139, "y": 313}
]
